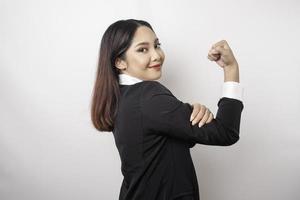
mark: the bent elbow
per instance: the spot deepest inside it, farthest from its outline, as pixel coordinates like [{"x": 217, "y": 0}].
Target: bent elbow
[{"x": 233, "y": 138}]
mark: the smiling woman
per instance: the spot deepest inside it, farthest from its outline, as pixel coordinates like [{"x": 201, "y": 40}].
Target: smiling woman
[
  {"x": 127, "y": 47},
  {"x": 151, "y": 127},
  {"x": 144, "y": 57}
]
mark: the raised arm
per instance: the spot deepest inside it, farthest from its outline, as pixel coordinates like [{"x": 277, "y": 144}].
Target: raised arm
[{"x": 164, "y": 114}]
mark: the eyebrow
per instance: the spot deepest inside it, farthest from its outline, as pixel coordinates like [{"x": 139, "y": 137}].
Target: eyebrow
[{"x": 141, "y": 43}]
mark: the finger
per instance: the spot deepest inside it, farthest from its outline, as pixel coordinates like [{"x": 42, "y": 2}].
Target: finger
[
  {"x": 220, "y": 50},
  {"x": 211, "y": 117},
  {"x": 212, "y": 58},
  {"x": 213, "y": 52},
  {"x": 204, "y": 118},
  {"x": 224, "y": 44},
  {"x": 220, "y": 43},
  {"x": 196, "y": 109},
  {"x": 213, "y": 55},
  {"x": 199, "y": 115}
]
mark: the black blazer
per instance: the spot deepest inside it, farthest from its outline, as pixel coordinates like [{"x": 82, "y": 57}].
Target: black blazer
[{"x": 153, "y": 134}]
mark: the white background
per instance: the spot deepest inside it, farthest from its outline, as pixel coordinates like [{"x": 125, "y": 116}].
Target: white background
[{"x": 49, "y": 149}]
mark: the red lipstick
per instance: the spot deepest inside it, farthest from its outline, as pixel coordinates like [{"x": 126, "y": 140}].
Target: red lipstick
[{"x": 158, "y": 65}]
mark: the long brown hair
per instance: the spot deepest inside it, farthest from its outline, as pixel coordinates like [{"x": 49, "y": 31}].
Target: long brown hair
[{"x": 106, "y": 92}]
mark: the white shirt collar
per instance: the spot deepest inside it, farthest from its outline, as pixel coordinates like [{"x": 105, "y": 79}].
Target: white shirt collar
[{"x": 125, "y": 79}]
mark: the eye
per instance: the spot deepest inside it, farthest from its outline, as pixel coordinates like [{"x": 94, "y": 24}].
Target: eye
[
  {"x": 156, "y": 46},
  {"x": 159, "y": 44},
  {"x": 141, "y": 49}
]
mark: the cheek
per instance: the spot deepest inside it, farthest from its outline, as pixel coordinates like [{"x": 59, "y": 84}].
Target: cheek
[
  {"x": 142, "y": 60},
  {"x": 162, "y": 56}
]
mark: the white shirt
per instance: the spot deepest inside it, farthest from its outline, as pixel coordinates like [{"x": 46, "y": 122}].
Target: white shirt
[{"x": 230, "y": 89}]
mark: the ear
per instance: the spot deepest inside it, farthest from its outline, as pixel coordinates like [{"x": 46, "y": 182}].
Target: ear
[{"x": 120, "y": 64}]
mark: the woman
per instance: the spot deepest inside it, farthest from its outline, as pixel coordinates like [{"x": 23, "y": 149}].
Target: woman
[{"x": 152, "y": 128}]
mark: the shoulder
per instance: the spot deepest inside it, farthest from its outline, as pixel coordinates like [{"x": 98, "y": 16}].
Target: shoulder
[
  {"x": 153, "y": 85},
  {"x": 156, "y": 97},
  {"x": 151, "y": 88}
]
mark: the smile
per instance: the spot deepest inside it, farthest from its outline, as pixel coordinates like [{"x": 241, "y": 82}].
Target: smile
[{"x": 156, "y": 66}]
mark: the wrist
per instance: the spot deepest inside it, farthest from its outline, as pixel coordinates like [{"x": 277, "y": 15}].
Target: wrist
[{"x": 231, "y": 67}]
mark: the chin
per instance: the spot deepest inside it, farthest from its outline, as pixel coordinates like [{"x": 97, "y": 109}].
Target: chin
[{"x": 157, "y": 77}]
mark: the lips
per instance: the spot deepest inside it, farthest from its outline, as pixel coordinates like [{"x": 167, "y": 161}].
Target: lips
[{"x": 158, "y": 65}]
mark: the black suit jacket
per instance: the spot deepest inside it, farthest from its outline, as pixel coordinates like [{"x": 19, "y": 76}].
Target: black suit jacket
[{"x": 153, "y": 134}]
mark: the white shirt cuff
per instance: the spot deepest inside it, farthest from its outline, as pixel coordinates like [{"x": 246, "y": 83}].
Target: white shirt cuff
[{"x": 234, "y": 90}]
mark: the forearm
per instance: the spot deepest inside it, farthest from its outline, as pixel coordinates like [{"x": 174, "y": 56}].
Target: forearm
[{"x": 231, "y": 73}]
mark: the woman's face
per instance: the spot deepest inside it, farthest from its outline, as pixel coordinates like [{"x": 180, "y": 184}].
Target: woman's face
[{"x": 143, "y": 53}]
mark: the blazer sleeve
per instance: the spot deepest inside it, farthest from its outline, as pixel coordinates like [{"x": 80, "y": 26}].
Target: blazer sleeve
[{"x": 164, "y": 114}]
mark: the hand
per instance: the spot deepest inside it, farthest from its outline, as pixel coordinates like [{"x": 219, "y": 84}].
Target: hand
[
  {"x": 200, "y": 112},
  {"x": 222, "y": 54}
]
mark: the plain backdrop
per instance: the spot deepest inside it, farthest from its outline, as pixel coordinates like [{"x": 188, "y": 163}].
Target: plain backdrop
[{"x": 49, "y": 149}]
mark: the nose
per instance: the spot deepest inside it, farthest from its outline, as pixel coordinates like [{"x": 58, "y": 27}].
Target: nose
[{"x": 156, "y": 56}]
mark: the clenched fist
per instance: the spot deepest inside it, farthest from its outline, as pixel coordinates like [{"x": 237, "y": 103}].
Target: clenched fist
[{"x": 222, "y": 54}]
